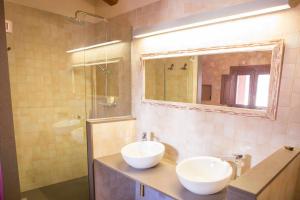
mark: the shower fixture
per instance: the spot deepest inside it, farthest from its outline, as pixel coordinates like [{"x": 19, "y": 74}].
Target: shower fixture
[
  {"x": 171, "y": 67},
  {"x": 8, "y": 26},
  {"x": 184, "y": 67},
  {"x": 78, "y": 17},
  {"x": 106, "y": 72}
]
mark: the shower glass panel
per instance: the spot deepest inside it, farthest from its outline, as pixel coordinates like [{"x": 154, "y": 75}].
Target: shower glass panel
[
  {"x": 55, "y": 87},
  {"x": 107, "y": 70}
]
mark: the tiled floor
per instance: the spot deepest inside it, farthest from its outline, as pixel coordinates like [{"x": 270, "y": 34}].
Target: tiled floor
[{"x": 76, "y": 189}]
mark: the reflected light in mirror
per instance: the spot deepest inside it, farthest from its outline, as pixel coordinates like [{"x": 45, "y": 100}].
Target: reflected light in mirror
[
  {"x": 96, "y": 63},
  {"x": 262, "y": 95},
  {"x": 93, "y": 46}
]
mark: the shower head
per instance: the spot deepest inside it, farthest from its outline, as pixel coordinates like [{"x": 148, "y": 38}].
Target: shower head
[
  {"x": 171, "y": 67},
  {"x": 83, "y": 13},
  {"x": 79, "y": 14},
  {"x": 184, "y": 67}
]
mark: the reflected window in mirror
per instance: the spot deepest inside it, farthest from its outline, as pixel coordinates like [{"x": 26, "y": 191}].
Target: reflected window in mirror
[
  {"x": 242, "y": 90},
  {"x": 248, "y": 87},
  {"x": 234, "y": 78},
  {"x": 263, "y": 84}
]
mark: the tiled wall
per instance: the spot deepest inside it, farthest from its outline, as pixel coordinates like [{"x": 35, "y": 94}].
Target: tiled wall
[
  {"x": 166, "y": 10},
  {"x": 194, "y": 133},
  {"x": 110, "y": 135},
  {"x": 154, "y": 79},
  {"x": 214, "y": 66}
]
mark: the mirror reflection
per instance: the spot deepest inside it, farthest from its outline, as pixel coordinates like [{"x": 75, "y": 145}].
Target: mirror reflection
[
  {"x": 239, "y": 79},
  {"x": 106, "y": 83}
]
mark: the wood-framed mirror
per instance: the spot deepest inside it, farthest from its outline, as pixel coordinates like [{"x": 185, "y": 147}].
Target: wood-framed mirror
[{"x": 239, "y": 79}]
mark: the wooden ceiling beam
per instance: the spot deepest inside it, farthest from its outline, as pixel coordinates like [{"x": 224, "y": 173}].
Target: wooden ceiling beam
[
  {"x": 294, "y": 3},
  {"x": 111, "y": 2}
]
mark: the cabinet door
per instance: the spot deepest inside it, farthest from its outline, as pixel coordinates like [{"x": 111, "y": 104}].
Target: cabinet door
[
  {"x": 112, "y": 185},
  {"x": 147, "y": 193}
]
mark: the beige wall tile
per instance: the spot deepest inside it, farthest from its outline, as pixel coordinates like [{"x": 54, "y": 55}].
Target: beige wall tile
[
  {"x": 110, "y": 137},
  {"x": 291, "y": 55},
  {"x": 296, "y": 88}
]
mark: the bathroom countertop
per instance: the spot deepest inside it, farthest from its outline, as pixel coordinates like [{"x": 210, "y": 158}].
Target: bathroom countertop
[
  {"x": 162, "y": 178},
  {"x": 259, "y": 177}
]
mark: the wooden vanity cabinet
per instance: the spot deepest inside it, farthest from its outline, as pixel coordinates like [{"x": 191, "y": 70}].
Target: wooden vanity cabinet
[
  {"x": 143, "y": 192},
  {"x": 115, "y": 180}
]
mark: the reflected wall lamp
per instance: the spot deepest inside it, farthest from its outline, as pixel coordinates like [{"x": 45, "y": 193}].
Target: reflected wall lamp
[{"x": 94, "y": 46}]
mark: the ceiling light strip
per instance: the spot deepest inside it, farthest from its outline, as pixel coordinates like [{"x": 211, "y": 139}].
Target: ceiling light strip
[{"x": 249, "y": 9}]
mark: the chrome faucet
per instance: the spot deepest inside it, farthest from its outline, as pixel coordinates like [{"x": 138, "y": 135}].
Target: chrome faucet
[
  {"x": 144, "y": 136},
  {"x": 238, "y": 163}
]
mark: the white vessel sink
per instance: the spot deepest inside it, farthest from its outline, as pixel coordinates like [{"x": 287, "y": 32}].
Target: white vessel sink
[
  {"x": 142, "y": 155},
  {"x": 204, "y": 175}
]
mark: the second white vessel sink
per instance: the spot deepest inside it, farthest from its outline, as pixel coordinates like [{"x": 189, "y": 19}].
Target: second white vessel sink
[
  {"x": 204, "y": 175},
  {"x": 142, "y": 155}
]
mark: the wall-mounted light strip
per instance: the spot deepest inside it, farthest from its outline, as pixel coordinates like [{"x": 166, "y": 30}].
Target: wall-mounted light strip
[
  {"x": 94, "y": 46},
  {"x": 244, "y": 10}
]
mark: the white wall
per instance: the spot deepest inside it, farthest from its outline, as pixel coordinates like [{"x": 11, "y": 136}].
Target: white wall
[{"x": 194, "y": 133}]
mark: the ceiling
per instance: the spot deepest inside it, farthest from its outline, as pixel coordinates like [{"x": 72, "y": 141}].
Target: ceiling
[
  {"x": 122, "y": 7},
  {"x": 62, "y": 7},
  {"x": 68, "y": 7}
]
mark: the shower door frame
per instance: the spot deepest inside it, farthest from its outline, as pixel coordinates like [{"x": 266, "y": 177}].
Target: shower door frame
[{"x": 8, "y": 155}]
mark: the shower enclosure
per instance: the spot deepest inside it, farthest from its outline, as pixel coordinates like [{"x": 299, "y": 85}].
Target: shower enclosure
[{"x": 63, "y": 71}]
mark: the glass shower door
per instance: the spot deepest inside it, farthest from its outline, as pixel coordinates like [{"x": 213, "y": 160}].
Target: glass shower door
[
  {"x": 62, "y": 72},
  {"x": 48, "y": 99}
]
